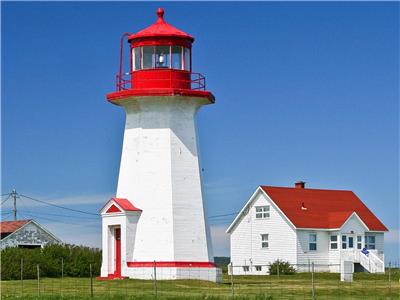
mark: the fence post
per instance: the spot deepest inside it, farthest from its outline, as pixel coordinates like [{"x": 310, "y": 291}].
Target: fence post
[
  {"x": 62, "y": 276},
  {"x": 38, "y": 279},
  {"x": 390, "y": 278},
  {"x": 312, "y": 282},
  {"x": 277, "y": 268},
  {"x": 155, "y": 279},
  {"x": 91, "y": 281},
  {"x": 232, "y": 287},
  {"x": 22, "y": 276}
]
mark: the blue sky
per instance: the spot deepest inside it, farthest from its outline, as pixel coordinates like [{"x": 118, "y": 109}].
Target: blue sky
[{"x": 304, "y": 91}]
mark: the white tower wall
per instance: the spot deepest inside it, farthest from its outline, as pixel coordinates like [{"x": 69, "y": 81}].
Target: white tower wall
[{"x": 160, "y": 174}]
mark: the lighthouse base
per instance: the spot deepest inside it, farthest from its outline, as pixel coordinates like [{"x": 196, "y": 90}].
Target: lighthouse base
[{"x": 164, "y": 272}]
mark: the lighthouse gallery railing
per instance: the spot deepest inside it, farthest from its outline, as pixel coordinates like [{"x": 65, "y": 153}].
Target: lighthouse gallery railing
[{"x": 195, "y": 81}]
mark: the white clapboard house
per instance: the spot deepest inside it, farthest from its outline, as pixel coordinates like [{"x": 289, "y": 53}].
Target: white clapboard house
[{"x": 305, "y": 227}]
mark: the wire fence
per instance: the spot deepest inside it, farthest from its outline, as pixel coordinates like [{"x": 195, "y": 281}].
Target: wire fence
[{"x": 278, "y": 283}]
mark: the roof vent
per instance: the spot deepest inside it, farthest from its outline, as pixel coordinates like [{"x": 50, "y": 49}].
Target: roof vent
[
  {"x": 299, "y": 184},
  {"x": 303, "y": 207}
]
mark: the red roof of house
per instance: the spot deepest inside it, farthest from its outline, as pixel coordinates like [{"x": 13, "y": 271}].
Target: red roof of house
[
  {"x": 159, "y": 29},
  {"x": 11, "y": 226},
  {"x": 125, "y": 204},
  {"x": 321, "y": 208}
]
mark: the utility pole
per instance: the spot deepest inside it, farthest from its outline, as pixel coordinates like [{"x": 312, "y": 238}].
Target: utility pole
[{"x": 14, "y": 195}]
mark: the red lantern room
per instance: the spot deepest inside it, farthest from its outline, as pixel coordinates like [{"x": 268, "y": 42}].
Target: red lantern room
[{"x": 160, "y": 64}]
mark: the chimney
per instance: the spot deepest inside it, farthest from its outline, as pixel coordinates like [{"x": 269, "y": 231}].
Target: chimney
[{"x": 299, "y": 184}]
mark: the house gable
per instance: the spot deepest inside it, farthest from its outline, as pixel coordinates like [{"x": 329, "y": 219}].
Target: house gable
[
  {"x": 354, "y": 224},
  {"x": 247, "y": 232},
  {"x": 249, "y": 204},
  {"x": 30, "y": 234}
]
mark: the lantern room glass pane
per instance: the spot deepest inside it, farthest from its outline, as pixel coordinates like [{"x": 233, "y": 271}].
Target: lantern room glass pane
[
  {"x": 162, "y": 57},
  {"x": 136, "y": 59},
  {"x": 187, "y": 59},
  {"x": 148, "y": 57},
  {"x": 176, "y": 57}
]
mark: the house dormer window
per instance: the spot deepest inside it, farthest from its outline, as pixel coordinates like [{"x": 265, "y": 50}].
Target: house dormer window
[{"x": 262, "y": 212}]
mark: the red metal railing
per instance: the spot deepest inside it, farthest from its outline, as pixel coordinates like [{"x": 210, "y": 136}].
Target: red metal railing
[{"x": 193, "y": 81}]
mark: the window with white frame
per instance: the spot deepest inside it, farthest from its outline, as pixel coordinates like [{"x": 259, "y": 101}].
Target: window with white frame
[
  {"x": 312, "y": 242},
  {"x": 333, "y": 242},
  {"x": 264, "y": 241},
  {"x": 262, "y": 212},
  {"x": 258, "y": 268},
  {"x": 359, "y": 241},
  {"x": 246, "y": 268},
  {"x": 370, "y": 242},
  {"x": 344, "y": 242}
]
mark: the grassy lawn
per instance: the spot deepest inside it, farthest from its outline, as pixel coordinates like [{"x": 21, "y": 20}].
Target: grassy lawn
[{"x": 326, "y": 286}]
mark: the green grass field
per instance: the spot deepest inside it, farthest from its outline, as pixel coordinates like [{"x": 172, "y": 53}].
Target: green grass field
[{"x": 326, "y": 286}]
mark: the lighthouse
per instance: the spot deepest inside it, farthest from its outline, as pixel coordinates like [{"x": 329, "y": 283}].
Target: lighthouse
[{"x": 156, "y": 223}]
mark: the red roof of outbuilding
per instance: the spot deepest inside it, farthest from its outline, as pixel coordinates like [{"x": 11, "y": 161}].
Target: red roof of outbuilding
[
  {"x": 11, "y": 226},
  {"x": 125, "y": 204},
  {"x": 327, "y": 209},
  {"x": 160, "y": 29}
]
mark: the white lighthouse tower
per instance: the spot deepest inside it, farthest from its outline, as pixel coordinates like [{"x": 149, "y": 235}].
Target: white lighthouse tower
[{"x": 157, "y": 222}]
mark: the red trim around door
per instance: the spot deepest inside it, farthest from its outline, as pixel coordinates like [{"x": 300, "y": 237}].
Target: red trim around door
[{"x": 117, "y": 235}]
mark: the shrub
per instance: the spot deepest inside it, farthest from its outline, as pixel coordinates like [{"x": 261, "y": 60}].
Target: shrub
[
  {"x": 285, "y": 268},
  {"x": 77, "y": 260}
]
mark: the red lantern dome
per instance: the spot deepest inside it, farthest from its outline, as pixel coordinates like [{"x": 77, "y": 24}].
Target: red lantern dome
[{"x": 161, "y": 64}]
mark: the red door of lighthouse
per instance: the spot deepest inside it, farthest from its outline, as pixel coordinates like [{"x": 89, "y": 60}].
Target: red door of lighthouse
[{"x": 117, "y": 234}]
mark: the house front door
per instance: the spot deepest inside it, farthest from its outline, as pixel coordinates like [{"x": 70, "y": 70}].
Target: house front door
[
  {"x": 350, "y": 242},
  {"x": 117, "y": 235}
]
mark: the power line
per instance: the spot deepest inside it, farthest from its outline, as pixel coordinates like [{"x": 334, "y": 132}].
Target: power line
[
  {"x": 5, "y": 194},
  {"x": 53, "y": 220},
  {"x": 50, "y": 214},
  {"x": 59, "y": 206},
  {"x": 9, "y": 195},
  {"x": 216, "y": 216}
]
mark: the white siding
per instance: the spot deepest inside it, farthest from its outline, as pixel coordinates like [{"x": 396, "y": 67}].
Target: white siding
[
  {"x": 379, "y": 240},
  {"x": 319, "y": 257},
  {"x": 246, "y": 238}
]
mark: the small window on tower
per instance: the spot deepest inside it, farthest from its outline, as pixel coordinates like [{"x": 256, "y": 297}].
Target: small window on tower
[
  {"x": 176, "y": 57},
  {"x": 148, "y": 57},
  {"x": 187, "y": 59},
  {"x": 136, "y": 58},
  {"x": 162, "y": 57}
]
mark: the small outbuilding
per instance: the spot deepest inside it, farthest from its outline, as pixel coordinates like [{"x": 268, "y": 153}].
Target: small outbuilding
[{"x": 25, "y": 234}]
